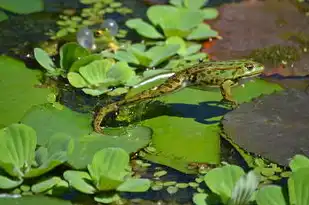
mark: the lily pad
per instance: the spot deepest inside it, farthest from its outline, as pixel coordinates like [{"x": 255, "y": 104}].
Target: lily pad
[
  {"x": 18, "y": 91},
  {"x": 30, "y": 200},
  {"x": 48, "y": 120},
  {"x": 22, "y": 7},
  {"x": 130, "y": 139},
  {"x": 196, "y": 115},
  {"x": 278, "y": 120}
]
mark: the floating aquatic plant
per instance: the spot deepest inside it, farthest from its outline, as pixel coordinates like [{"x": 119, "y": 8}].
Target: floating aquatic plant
[
  {"x": 19, "y": 158},
  {"x": 108, "y": 174},
  {"x": 186, "y": 22},
  {"x": 102, "y": 76}
]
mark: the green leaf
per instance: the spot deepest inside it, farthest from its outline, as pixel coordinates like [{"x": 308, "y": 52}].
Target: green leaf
[
  {"x": 7, "y": 183},
  {"x": 84, "y": 61},
  {"x": 22, "y": 7},
  {"x": 177, "y": 3},
  {"x": 18, "y": 84},
  {"x": 76, "y": 80},
  {"x": 30, "y": 200},
  {"x": 175, "y": 40},
  {"x": 107, "y": 198},
  {"x": 143, "y": 28},
  {"x": 203, "y": 31},
  {"x": 130, "y": 139},
  {"x": 126, "y": 56},
  {"x": 71, "y": 52},
  {"x": 45, "y": 185},
  {"x": 244, "y": 189},
  {"x": 222, "y": 180},
  {"x": 80, "y": 124},
  {"x": 108, "y": 168},
  {"x": 3, "y": 16},
  {"x": 299, "y": 161},
  {"x": 80, "y": 181},
  {"x": 95, "y": 73},
  {"x": 270, "y": 195},
  {"x": 159, "y": 54},
  {"x": 196, "y": 4},
  {"x": 210, "y": 13},
  {"x": 118, "y": 91},
  {"x": 134, "y": 185},
  {"x": 44, "y": 60},
  {"x": 192, "y": 49},
  {"x": 298, "y": 185},
  {"x": 158, "y": 14},
  {"x": 195, "y": 57},
  {"x": 121, "y": 72},
  {"x": 200, "y": 198},
  {"x": 140, "y": 54},
  {"x": 17, "y": 149},
  {"x": 96, "y": 92}
]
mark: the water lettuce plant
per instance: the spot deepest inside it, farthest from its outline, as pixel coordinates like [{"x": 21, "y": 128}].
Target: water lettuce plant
[
  {"x": 102, "y": 76},
  {"x": 297, "y": 192},
  {"x": 231, "y": 184},
  {"x": 108, "y": 174},
  {"x": 69, "y": 53},
  {"x": 19, "y": 158},
  {"x": 183, "y": 21}
]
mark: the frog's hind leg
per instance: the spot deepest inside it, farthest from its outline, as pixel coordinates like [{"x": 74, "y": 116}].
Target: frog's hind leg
[
  {"x": 226, "y": 93},
  {"x": 101, "y": 114}
]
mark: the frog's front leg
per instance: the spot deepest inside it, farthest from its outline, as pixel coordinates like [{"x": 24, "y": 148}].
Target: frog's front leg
[{"x": 225, "y": 88}]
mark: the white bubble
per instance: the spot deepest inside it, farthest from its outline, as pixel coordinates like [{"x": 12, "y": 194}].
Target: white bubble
[
  {"x": 85, "y": 38},
  {"x": 111, "y": 25}
]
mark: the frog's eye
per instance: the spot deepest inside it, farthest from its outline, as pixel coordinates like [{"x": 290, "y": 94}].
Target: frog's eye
[
  {"x": 249, "y": 66},
  {"x": 98, "y": 33}
]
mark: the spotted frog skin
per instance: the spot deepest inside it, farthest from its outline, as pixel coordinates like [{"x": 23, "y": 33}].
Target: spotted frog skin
[{"x": 223, "y": 74}]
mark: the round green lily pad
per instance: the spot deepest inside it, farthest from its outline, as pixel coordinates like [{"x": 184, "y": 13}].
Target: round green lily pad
[{"x": 273, "y": 126}]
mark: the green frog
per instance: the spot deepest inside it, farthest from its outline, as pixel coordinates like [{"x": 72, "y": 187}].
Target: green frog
[{"x": 223, "y": 74}]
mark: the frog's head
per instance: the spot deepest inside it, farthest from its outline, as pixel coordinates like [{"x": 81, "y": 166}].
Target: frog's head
[{"x": 248, "y": 68}]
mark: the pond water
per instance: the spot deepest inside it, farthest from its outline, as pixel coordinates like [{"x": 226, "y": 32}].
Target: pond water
[{"x": 55, "y": 82}]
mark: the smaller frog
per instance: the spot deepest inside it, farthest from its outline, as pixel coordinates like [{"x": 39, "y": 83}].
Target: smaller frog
[{"x": 223, "y": 74}]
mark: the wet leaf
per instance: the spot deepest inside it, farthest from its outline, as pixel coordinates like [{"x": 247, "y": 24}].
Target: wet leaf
[
  {"x": 298, "y": 185},
  {"x": 210, "y": 13},
  {"x": 84, "y": 61},
  {"x": 196, "y": 4},
  {"x": 76, "y": 80},
  {"x": 200, "y": 198},
  {"x": 107, "y": 198},
  {"x": 7, "y": 183},
  {"x": 158, "y": 54}
]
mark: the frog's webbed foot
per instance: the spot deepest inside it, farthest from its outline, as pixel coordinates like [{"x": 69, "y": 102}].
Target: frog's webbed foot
[{"x": 225, "y": 89}]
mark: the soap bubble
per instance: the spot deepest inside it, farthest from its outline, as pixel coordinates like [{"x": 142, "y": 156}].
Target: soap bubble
[
  {"x": 85, "y": 38},
  {"x": 111, "y": 25}
]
